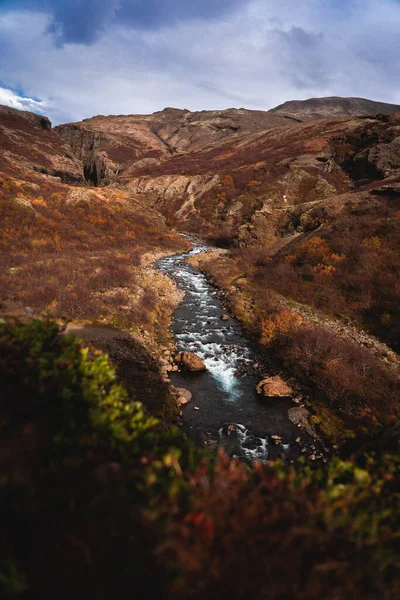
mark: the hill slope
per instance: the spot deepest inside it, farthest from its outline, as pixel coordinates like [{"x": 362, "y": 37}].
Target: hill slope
[
  {"x": 116, "y": 145},
  {"x": 334, "y": 106}
]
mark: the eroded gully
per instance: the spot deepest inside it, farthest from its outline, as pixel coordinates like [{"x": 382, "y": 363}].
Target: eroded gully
[{"x": 225, "y": 409}]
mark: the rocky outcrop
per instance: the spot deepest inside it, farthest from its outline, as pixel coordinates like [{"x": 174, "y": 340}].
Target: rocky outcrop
[
  {"x": 274, "y": 387},
  {"x": 88, "y": 146},
  {"x": 268, "y": 179},
  {"x": 184, "y": 396},
  {"x": 176, "y": 196},
  {"x": 28, "y": 142},
  {"x": 190, "y": 361}
]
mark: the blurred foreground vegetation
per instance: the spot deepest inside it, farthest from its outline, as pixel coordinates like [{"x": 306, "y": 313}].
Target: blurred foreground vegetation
[{"x": 99, "y": 500}]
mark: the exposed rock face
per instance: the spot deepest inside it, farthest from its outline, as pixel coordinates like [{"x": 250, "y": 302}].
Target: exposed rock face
[
  {"x": 334, "y": 106},
  {"x": 276, "y": 185},
  {"x": 88, "y": 146},
  {"x": 274, "y": 387},
  {"x": 120, "y": 145},
  {"x": 28, "y": 142},
  {"x": 190, "y": 361},
  {"x": 176, "y": 196}
]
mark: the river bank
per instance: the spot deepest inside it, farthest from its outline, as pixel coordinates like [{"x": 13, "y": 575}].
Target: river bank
[{"x": 225, "y": 409}]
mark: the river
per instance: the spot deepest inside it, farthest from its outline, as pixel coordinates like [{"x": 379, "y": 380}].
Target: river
[{"x": 225, "y": 410}]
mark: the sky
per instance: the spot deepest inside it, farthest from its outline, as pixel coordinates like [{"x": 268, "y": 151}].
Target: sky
[{"x": 72, "y": 59}]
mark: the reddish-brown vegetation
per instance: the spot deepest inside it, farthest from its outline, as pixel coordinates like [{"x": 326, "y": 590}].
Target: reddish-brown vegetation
[
  {"x": 76, "y": 253},
  {"x": 337, "y": 371},
  {"x": 353, "y": 271}
]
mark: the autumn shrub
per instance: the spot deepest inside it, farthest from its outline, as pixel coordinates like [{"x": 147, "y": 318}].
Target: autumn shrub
[
  {"x": 278, "y": 532},
  {"x": 279, "y": 325},
  {"x": 350, "y": 271},
  {"x": 340, "y": 371},
  {"x": 77, "y": 303}
]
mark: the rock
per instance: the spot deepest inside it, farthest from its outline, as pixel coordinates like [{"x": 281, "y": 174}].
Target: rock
[
  {"x": 312, "y": 457},
  {"x": 184, "y": 396},
  {"x": 276, "y": 437},
  {"x": 196, "y": 408},
  {"x": 297, "y": 415},
  {"x": 298, "y": 440},
  {"x": 190, "y": 361},
  {"x": 231, "y": 429},
  {"x": 224, "y": 317},
  {"x": 274, "y": 387},
  {"x": 29, "y": 311}
]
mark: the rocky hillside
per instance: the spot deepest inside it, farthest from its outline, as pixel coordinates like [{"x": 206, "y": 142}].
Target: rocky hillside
[
  {"x": 116, "y": 146},
  {"x": 28, "y": 144},
  {"x": 256, "y": 179},
  {"x": 277, "y": 183},
  {"x": 270, "y": 176},
  {"x": 334, "y": 106},
  {"x": 79, "y": 252},
  {"x": 253, "y": 182}
]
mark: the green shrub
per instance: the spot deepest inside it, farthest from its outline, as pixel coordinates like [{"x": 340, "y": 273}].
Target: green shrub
[{"x": 79, "y": 465}]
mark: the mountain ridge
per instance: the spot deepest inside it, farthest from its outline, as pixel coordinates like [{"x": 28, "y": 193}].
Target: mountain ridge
[{"x": 330, "y": 106}]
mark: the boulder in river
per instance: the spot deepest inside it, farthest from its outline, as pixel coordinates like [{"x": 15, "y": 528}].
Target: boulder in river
[
  {"x": 274, "y": 387},
  {"x": 184, "y": 396},
  {"x": 190, "y": 361},
  {"x": 224, "y": 317}
]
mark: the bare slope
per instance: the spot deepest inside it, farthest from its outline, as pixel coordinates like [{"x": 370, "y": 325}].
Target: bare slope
[{"x": 334, "y": 106}]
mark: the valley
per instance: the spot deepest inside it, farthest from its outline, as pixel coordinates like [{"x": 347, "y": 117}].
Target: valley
[{"x": 241, "y": 271}]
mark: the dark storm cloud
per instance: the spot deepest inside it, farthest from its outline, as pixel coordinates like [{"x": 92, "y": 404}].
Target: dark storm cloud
[{"x": 81, "y": 21}]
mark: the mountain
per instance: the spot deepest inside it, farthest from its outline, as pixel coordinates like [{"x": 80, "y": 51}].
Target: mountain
[
  {"x": 261, "y": 178},
  {"x": 270, "y": 184},
  {"x": 219, "y": 169},
  {"x": 117, "y": 145},
  {"x": 334, "y": 106}
]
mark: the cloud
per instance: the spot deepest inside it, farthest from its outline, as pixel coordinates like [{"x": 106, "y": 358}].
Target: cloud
[
  {"x": 256, "y": 56},
  {"x": 82, "y": 21},
  {"x": 10, "y": 98}
]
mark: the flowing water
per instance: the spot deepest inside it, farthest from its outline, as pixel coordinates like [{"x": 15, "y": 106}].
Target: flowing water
[{"x": 228, "y": 411}]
